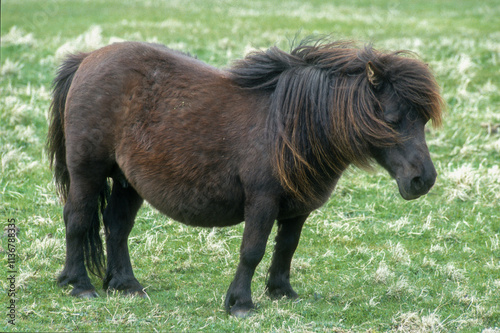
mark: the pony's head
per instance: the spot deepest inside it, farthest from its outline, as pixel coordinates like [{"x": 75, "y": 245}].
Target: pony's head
[{"x": 408, "y": 96}]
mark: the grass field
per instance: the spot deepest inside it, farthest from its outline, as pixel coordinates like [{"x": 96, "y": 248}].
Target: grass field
[{"x": 367, "y": 261}]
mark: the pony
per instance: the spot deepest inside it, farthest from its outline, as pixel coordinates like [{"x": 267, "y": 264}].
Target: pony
[{"x": 264, "y": 140}]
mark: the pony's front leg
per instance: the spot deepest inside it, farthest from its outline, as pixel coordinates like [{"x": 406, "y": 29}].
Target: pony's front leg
[
  {"x": 287, "y": 240},
  {"x": 259, "y": 220}
]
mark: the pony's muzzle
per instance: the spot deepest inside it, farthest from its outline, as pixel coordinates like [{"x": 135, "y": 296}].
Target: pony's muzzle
[{"x": 414, "y": 187}]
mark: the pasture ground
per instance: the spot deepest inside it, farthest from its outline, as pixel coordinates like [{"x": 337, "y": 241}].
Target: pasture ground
[{"x": 368, "y": 260}]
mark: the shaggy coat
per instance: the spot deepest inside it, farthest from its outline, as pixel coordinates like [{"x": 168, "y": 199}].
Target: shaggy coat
[{"x": 265, "y": 140}]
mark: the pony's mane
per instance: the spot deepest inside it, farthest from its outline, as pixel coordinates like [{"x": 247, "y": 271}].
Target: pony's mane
[{"x": 324, "y": 112}]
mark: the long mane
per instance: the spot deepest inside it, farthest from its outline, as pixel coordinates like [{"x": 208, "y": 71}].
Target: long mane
[{"x": 324, "y": 112}]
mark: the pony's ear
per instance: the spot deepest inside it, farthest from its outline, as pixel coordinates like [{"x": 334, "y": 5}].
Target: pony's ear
[{"x": 374, "y": 74}]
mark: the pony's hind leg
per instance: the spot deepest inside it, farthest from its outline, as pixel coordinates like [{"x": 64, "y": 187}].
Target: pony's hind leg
[
  {"x": 287, "y": 240},
  {"x": 118, "y": 221},
  {"x": 81, "y": 218}
]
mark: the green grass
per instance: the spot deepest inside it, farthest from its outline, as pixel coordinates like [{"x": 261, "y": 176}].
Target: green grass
[{"x": 368, "y": 260}]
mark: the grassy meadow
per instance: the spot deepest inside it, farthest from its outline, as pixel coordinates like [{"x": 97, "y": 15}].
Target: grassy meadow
[{"x": 367, "y": 261}]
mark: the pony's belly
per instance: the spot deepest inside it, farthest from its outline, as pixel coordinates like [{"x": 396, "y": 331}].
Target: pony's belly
[
  {"x": 202, "y": 211},
  {"x": 192, "y": 190},
  {"x": 212, "y": 204}
]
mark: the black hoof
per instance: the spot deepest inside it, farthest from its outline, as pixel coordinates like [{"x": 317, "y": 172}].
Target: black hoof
[
  {"x": 85, "y": 294},
  {"x": 279, "y": 292},
  {"x": 82, "y": 287},
  {"x": 127, "y": 286},
  {"x": 241, "y": 313},
  {"x": 238, "y": 310}
]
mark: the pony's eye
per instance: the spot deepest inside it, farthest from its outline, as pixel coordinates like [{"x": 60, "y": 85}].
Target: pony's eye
[
  {"x": 393, "y": 119},
  {"x": 412, "y": 116}
]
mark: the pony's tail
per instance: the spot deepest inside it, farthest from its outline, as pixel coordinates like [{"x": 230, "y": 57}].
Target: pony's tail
[
  {"x": 93, "y": 249},
  {"x": 56, "y": 147},
  {"x": 56, "y": 143}
]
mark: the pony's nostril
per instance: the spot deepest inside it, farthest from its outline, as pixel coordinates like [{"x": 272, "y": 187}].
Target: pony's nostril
[{"x": 417, "y": 184}]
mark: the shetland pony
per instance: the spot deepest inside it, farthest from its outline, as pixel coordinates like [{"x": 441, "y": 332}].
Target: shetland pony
[{"x": 265, "y": 140}]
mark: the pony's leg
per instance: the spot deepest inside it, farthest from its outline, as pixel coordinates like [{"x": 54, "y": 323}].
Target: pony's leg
[
  {"x": 119, "y": 219},
  {"x": 259, "y": 220},
  {"x": 287, "y": 240},
  {"x": 81, "y": 214}
]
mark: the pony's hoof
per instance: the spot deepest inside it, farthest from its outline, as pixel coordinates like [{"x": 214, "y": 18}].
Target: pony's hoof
[
  {"x": 241, "y": 313},
  {"x": 88, "y": 294},
  {"x": 279, "y": 293}
]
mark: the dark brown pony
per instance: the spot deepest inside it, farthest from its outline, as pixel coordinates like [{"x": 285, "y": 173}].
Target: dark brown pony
[{"x": 265, "y": 140}]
